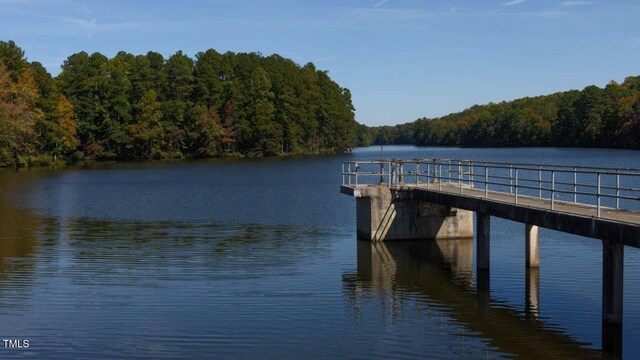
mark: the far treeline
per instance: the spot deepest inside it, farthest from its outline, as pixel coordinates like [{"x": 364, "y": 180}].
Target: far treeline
[
  {"x": 593, "y": 117},
  {"x": 146, "y": 106}
]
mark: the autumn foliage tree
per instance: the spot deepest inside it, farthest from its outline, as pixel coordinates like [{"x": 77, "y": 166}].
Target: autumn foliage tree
[
  {"x": 145, "y": 106},
  {"x": 18, "y": 116},
  {"x": 592, "y": 117},
  {"x": 64, "y": 129}
]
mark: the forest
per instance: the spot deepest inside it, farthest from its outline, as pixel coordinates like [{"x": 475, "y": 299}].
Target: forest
[
  {"x": 606, "y": 117},
  {"x": 138, "y": 107}
]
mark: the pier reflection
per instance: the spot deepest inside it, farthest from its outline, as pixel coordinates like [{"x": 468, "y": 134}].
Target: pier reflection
[
  {"x": 441, "y": 273},
  {"x": 532, "y": 292}
]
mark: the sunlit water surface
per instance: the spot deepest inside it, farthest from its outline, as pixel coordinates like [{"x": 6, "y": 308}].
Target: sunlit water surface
[{"x": 259, "y": 259}]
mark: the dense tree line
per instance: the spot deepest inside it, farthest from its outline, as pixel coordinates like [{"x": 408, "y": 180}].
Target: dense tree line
[
  {"x": 146, "y": 106},
  {"x": 592, "y": 117}
]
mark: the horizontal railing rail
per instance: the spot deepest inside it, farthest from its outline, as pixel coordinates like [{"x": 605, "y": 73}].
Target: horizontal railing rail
[{"x": 600, "y": 187}]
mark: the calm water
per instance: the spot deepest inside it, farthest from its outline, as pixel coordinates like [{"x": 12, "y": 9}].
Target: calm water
[{"x": 259, "y": 259}]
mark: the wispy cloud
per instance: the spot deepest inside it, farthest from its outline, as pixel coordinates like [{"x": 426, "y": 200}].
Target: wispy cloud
[
  {"x": 575, "y": 3},
  {"x": 513, "y": 2},
  {"x": 386, "y": 14},
  {"x": 397, "y": 15},
  {"x": 88, "y": 27},
  {"x": 548, "y": 14},
  {"x": 380, "y": 3}
]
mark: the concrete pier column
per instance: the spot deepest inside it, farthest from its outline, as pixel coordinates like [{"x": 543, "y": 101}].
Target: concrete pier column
[
  {"x": 532, "y": 239},
  {"x": 482, "y": 241},
  {"x": 612, "y": 340},
  {"x": 612, "y": 275}
]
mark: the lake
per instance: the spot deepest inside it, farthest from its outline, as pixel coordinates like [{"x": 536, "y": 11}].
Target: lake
[{"x": 258, "y": 258}]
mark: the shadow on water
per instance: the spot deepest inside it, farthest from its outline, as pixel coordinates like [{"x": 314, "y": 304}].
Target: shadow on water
[{"x": 441, "y": 273}]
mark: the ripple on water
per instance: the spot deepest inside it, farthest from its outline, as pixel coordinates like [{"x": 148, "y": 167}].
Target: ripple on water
[{"x": 168, "y": 262}]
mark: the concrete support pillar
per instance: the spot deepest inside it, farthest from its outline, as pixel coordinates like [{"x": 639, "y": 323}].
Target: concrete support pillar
[
  {"x": 532, "y": 239},
  {"x": 612, "y": 275},
  {"x": 612, "y": 340},
  {"x": 482, "y": 241}
]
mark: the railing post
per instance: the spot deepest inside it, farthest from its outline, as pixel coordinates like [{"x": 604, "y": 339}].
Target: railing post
[
  {"x": 460, "y": 175},
  {"x": 598, "y": 198},
  {"x": 349, "y": 170},
  {"x": 617, "y": 189},
  {"x": 553, "y": 187},
  {"x": 449, "y": 171},
  {"x": 418, "y": 173},
  {"x": 440, "y": 177},
  {"x": 470, "y": 174},
  {"x": 540, "y": 181},
  {"x": 486, "y": 181},
  {"x": 516, "y": 187},
  {"x": 575, "y": 184},
  {"x": 356, "y": 172},
  {"x": 390, "y": 173},
  {"x": 510, "y": 179}
]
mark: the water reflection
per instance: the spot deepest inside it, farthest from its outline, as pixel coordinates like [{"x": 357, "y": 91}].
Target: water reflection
[
  {"x": 18, "y": 228},
  {"x": 532, "y": 292},
  {"x": 440, "y": 273},
  {"x": 99, "y": 251},
  {"x": 108, "y": 282}
]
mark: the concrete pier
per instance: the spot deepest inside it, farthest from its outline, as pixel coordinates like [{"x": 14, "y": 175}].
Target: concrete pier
[
  {"x": 483, "y": 248},
  {"x": 612, "y": 278},
  {"x": 532, "y": 238},
  {"x": 385, "y": 214},
  {"x": 436, "y": 198}
]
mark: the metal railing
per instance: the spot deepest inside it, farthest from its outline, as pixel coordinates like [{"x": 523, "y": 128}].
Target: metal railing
[{"x": 600, "y": 187}]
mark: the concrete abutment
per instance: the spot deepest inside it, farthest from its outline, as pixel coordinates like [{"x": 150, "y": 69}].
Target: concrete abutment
[{"x": 385, "y": 214}]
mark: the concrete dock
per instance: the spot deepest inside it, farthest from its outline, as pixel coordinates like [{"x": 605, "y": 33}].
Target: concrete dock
[{"x": 434, "y": 199}]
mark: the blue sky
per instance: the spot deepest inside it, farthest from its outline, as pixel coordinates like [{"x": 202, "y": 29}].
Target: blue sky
[{"x": 401, "y": 59}]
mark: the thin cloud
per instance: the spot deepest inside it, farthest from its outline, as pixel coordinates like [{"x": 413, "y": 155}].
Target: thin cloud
[
  {"x": 575, "y": 3},
  {"x": 513, "y": 2},
  {"x": 396, "y": 15},
  {"x": 89, "y": 27},
  {"x": 548, "y": 14},
  {"x": 380, "y": 3}
]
